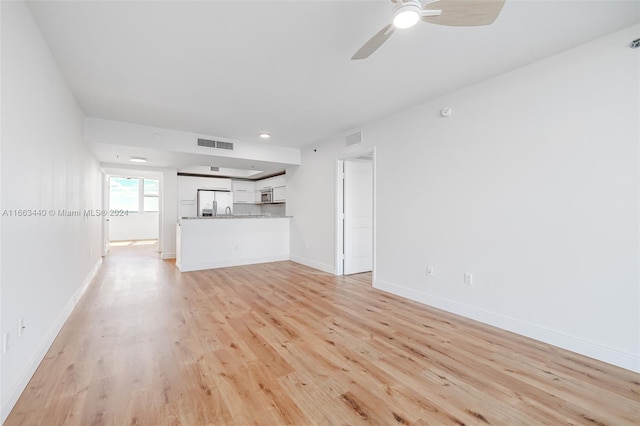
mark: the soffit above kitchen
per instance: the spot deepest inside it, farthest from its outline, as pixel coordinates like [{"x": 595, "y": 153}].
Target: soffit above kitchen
[
  {"x": 233, "y": 69},
  {"x": 117, "y": 143}
]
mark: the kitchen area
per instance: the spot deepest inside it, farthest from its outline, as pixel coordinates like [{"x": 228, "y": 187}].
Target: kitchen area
[{"x": 229, "y": 222}]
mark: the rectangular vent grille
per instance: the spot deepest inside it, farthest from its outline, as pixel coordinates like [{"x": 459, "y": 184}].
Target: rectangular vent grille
[
  {"x": 208, "y": 143},
  {"x": 224, "y": 145},
  {"x": 354, "y": 139},
  {"x": 215, "y": 169}
]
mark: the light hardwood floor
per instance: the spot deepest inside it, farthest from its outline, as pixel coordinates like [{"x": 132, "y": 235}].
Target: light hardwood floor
[{"x": 281, "y": 343}]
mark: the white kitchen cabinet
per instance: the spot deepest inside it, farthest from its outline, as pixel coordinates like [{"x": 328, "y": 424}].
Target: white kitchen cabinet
[
  {"x": 271, "y": 182},
  {"x": 238, "y": 241},
  {"x": 276, "y": 183},
  {"x": 216, "y": 184},
  {"x": 188, "y": 185},
  {"x": 263, "y": 184},
  {"x": 243, "y": 192},
  {"x": 188, "y": 191},
  {"x": 280, "y": 194},
  {"x": 187, "y": 194}
]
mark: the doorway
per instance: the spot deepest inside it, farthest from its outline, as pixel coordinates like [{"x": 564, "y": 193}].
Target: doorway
[
  {"x": 356, "y": 230},
  {"x": 134, "y": 206},
  {"x": 133, "y": 197}
]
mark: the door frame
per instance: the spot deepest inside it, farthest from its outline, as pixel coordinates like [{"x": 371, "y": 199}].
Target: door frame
[
  {"x": 124, "y": 171},
  {"x": 339, "y": 212},
  {"x": 106, "y": 192}
]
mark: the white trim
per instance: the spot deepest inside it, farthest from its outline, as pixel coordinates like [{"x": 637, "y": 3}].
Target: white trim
[
  {"x": 38, "y": 356},
  {"x": 339, "y": 219},
  {"x": 339, "y": 213},
  {"x": 324, "y": 267},
  {"x": 168, "y": 255},
  {"x": 227, "y": 263},
  {"x": 375, "y": 214},
  {"x": 609, "y": 355}
]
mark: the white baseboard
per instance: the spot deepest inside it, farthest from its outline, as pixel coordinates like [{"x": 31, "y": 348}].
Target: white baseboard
[
  {"x": 187, "y": 267},
  {"x": 51, "y": 335},
  {"x": 611, "y": 356},
  {"x": 330, "y": 269},
  {"x": 165, "y": 255}
]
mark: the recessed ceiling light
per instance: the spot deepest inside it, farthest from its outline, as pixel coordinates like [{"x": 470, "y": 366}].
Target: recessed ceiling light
[
  {"x": 265, "y": 135},
  {"x": 138, "y": 160}
]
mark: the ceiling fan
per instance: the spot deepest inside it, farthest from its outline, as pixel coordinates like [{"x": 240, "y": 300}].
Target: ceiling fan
[{"x": 455, "y": 13}]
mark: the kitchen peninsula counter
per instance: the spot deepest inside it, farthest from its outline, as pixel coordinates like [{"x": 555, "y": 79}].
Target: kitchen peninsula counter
[
  {"x": 227, "y": 240},
  {"x": 239, "y": 216}
]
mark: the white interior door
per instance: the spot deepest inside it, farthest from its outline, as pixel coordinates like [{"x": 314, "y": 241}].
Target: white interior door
[{"x": 358, "y": 216}]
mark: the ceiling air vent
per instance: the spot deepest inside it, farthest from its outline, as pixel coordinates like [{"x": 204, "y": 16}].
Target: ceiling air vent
[
  {"x": 224, "y": 145},
  {"x": 354, "y": 139},
  {"x": 207, "y": 143},
  {"x": 214, "y": 169}
]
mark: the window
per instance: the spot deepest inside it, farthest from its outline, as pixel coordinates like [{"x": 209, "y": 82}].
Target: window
[
  {"x": 134, "y": 195},
  {"x": 151, "y": 193},
  {"x": 125, "y": 194}
]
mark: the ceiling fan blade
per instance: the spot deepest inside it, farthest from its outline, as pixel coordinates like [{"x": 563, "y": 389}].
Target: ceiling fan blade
[
  {"x": 464, "y": 13},
  {"x": 374, "y": 43}
]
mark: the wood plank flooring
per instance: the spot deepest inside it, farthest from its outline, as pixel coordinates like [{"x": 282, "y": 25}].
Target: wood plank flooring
[{"x": 281, "y": 343}]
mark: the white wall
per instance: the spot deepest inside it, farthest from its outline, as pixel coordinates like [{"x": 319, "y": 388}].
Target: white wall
[
  {"x": 134, "y": 227},
  {"x": 169, "y": 214},
  {"x": 46, "y": 261},
  {"x": 532, "y": 185},
  {"x": 311, "y": 200}
]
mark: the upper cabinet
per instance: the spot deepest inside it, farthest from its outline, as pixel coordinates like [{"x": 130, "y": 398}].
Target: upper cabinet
[
  {"x": 248, "y": 192},
  {"x": 188, "y": 189},
  {"x": 277, "y": 184},
  {"x": 188, "y": 185},
  {"x": 216, "y": 184},
  {"x": 271, "y": 182},
  {"x": 280, "y": 194},
  {"x": 243, "y": 192}
]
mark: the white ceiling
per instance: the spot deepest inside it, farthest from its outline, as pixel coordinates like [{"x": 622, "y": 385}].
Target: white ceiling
[{"x": 235, "y": 68}]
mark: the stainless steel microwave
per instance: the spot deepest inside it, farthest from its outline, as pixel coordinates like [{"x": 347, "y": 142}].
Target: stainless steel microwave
[{"x": 266, "y": 195}]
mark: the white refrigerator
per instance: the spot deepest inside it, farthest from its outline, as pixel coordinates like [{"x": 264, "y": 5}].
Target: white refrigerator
[{"x": 214, "y": 203}]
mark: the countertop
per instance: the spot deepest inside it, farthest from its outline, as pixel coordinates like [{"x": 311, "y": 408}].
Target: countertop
[{"x": 239, "y": 216}]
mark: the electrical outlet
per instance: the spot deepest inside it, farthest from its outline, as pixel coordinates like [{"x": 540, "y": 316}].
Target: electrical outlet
[
  {"x": 5, "y": 342},
  {"x": 430, "y": 271},
  {"x": 21, "y": 326},
  {"x": 468, "y": 278}
]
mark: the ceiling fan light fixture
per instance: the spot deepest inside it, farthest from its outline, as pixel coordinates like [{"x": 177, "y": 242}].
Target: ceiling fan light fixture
[{"x": 407, "y": 15}]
